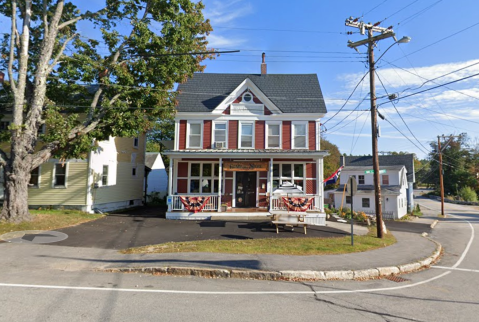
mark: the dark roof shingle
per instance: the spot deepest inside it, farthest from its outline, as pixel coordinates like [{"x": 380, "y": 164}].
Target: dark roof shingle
[{"x": 291, "y": 93}]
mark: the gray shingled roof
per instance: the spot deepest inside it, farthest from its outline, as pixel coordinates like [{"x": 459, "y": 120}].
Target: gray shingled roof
[
  {"x": 150, "y": 158},
  {"x": 291, "y": 93},
  {"x": 406, "y": 160}
]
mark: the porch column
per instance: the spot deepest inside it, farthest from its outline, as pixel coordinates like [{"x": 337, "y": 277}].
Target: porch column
[
  {"x": 270, "y": 184},
  {"x": 321, "y": 183},
  {"x": 319, "y": 186},
  {"x": 220, "y": 183},
  {"x": 170, "y": 181}
]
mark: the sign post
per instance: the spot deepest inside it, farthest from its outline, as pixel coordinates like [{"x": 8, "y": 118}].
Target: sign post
[{"x": 352, "y": 188}]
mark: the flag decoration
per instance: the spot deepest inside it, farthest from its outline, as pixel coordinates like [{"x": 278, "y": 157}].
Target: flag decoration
[
  {"x": 297, "y": 203},
  {"x": 194, "y": 204},
  {"x": 334, "y": 177}
]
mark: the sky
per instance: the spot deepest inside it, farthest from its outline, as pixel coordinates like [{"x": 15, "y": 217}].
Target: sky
[{"x": 310, "y": 37}]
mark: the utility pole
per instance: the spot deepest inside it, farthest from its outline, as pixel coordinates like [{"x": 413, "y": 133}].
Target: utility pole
[
  {"x": 441, "y": 180},
  {"x": 370, "y": 41}
]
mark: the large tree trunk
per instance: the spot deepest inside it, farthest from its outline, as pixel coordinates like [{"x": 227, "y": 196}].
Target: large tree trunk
[{"x": 15, "y": 202}]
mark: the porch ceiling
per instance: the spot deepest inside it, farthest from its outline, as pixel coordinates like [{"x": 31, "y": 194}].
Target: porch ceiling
[{"x": 247, "y": 153}]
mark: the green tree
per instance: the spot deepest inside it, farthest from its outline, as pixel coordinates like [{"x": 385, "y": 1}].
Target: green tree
[
  {"x": 130, "y": 72},
  {"x": 468, "y": 194},
  {"x": 458, "y": 164},
  {"x": 331, "y": 162}
]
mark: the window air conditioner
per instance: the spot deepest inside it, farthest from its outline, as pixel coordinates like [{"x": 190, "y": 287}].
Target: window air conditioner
[{"x": 220, "y": 145}]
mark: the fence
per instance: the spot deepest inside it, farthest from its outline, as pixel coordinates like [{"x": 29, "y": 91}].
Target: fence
[{"x": 211, "y": 204}]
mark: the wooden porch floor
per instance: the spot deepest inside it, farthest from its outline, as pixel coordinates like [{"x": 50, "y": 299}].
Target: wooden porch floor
[{"x": 247, "y": 210}]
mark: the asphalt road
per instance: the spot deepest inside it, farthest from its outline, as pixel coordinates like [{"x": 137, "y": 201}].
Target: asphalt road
[
  {"x": 446, "y": 292},
  {"x": 144, "y": 226}
]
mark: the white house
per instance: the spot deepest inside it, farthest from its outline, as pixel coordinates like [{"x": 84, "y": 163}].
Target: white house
[{"x": 393, "y": 180}]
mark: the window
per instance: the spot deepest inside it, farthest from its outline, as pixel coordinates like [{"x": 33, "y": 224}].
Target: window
[
  {"x": 60, "y": 178},
  {"x": 299, "y": 136},
  {"x": 220, "y": 135},
  {"x": 366, "y": 203},
  {"x": 136, "y": 141},
  {"x": 246, "y": 135},
  {"x": 104, "y": 176},
  {"x": 133, "y": 172},
  {"x": 34, "y": 178},
  {"x": 247, "y": 97},
  {"x": 4, "y": 125},
  {"x": 361, "y": 179},
  {"x": 194, "y": 135},
  {"x": 385, "y": 179},
  {"x": 273, "y": 136},
  {"x": 348, "y": 199},
  {"x": 204, "y": 178},
  {"x": 287, "y": 172}
]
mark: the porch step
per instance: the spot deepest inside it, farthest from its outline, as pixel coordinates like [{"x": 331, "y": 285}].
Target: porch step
[{"x": 245, "y": 217}]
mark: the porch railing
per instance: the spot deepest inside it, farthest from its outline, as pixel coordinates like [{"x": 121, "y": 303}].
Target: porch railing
[
  {"x": 277, "y": 202},
  {"x": 211, "y": 205}
]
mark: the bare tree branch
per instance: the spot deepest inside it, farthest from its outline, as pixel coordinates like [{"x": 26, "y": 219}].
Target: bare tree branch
[
  {"x": 86, "y": 15},
  {"x": 45, "y": 16},
  {"x": 60, "y": 53},
  {"x": 13, "y": 35},
  {"x": 114, "y": 99}
]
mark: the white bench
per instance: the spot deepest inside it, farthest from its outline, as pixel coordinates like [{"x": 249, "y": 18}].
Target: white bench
[{"x": 288, "y": 218}]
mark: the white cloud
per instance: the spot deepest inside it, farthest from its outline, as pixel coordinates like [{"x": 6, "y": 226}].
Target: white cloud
[
  {"x": 221, "y": 41},
  {"x": 405, "y": 77},
  {"x": 225, "y": 12},
  {"x": 220, "y": 12}
]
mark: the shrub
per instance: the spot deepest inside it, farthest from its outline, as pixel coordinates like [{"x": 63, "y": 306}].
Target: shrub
[{"x": 468, "y": 194}]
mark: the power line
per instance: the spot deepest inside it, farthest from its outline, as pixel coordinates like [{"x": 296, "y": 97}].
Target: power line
[
  {"x": 280, "y": 30},
  {"x": 407, "y": 126},
  {"x": 290, "y": 61},
  {"x": 420, "y": 149},
  {"x": 360, "y": 132},
  {"x": 374, "y": 8},
  {"x": 442, "y": 39},
  {"x": 398, "y": 11},
  {"x": 295, "y": 51},
  {"x": 354, "y": 110},
  {"x": 347, "y": 100},
  {"x": 429, "y": 89},
  {"x": 432, "y": 80},
  {"x": 417, "y": 14}
]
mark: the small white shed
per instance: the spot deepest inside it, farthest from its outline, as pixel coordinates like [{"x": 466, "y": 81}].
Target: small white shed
[{"x": 156, "y": 180}]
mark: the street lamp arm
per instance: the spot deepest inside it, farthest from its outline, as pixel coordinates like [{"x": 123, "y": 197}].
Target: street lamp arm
[{"x": 403, "y": 40}]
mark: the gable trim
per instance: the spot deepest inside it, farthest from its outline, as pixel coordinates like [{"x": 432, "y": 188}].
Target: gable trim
[{"x": 246, "y": 84}]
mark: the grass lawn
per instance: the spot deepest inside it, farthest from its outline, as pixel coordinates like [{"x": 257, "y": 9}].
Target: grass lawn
[
  {"x": 281, "y": 246},
  {"x": 49, "y": 220}
]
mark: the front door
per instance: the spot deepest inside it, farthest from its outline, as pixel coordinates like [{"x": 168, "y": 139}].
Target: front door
[{"x": 245, "y": 189}]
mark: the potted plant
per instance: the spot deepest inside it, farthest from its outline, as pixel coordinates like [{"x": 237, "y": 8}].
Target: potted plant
[{"x": 224, "y": 207}]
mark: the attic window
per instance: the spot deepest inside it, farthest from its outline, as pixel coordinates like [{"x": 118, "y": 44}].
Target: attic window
[{"x": 247, "y": 97}]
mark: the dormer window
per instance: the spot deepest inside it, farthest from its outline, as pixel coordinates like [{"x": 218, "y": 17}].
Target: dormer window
[{"x": 247, "y": 97}]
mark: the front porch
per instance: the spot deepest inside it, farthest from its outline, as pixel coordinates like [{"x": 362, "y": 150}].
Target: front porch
[{"x": 209, "y": 208}]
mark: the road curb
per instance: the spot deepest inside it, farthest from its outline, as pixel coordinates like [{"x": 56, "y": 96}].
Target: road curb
[
  {"x": 288, "y": 275},
  {"x": 434, "y": 223}
]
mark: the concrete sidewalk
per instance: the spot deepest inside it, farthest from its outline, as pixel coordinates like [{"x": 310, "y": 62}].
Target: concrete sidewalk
[{"x": 410, "y": 253}]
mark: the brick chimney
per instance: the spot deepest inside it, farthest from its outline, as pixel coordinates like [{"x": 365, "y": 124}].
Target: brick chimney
[{"x": 263, "y": 65}]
